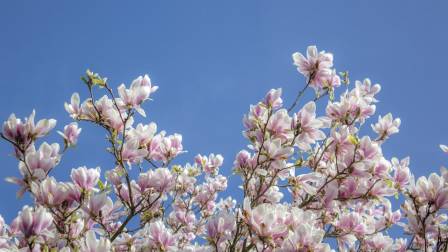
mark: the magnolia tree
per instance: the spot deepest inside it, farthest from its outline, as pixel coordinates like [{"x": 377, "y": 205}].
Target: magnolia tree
[{"x": 308, "y": 182}]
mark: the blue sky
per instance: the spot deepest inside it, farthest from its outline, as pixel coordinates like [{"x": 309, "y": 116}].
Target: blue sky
[{"x": 211, "y": 59}]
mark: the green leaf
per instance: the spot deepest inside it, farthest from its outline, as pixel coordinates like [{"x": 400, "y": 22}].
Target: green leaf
[
  {"x": 353, "y": 139},
  {"x": 101, "y": 185}
]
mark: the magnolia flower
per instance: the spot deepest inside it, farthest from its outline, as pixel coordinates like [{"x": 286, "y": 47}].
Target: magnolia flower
[
  {"x": 85, "y": 178},
  {"x": 226, "y": 204},
  {"x": 221, "y": 226},
  {"x": 402, "y": 173},
  {"x": 280, "y": 125},
  {"x": 366, "y": 90},
  {"x": 207, "y": 191},
  {"x": 244, "y": 161},
  {"x": 434, "y": 188},
  {"x": 159, "y": 179},
  {"x": 332, "y": 80},
  {"x": 400, "y": 245},
  {"x": 266, "y": 220},
  {"x": 2, "y": 224},
  {"x": 258, "y": 113},
  {"x": 73, "y": 108},
  {"x": 444, "y": 148},
  {"x": 160, "y": 237},
  {"x": 352, "y": 223},
  {"x": 165, "y": 148},
  {"x": 32, "y": 222},
  {"x": 92, "y": 244},
  {"x": 16, "y": 131},
  {"x": 386, "y": 126},
  {"x": 380, "y": 242},
  {"x": 50, "y": 192},
  {"x": 316, "y": 66},
  {"x": 139, "y": 91},
  {"x": 70, "y": 134},
  {"x": 114, "y": 119},
  {"x": 275, "y": 150},
  {"x": 132, "y": 152},
  {"x": 40, "y": 162},
  {"x": 87, "y": 111},
  {"x": 98, "y": 202},
  {"x": 210, "y": 164},
  {"x": 308, "y": 127},
  {"x": 24, "y": 132},
  {"x": 305, "y": 237},
  {"x": 142, "y": 133},
  {"x": 350, "y": 109},
  {"x": 273, "y": 98}
]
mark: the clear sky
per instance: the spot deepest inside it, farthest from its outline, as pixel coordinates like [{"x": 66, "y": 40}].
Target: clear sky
[{"x": 211, "y": 59}]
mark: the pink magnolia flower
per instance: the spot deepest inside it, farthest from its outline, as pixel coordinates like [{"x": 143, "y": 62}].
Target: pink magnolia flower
[
  {"x": 40, "y": 162},
  {"x": 186, "y": 180},
  {"x": 2, "y": 224},
  {"x": 444, "y": 148},
  {"x": 123, "y": 191},
  {"x": 85, "y": 178},
  {"x": 273, "y": 98},
  {"x": 143, "y": 133},
  {"x": 258, "y": 113},
  {"x": 244, "y": 161},
  {"x": 433, "y": 189},
  {"x": 305, "y": 237},
  {"x": 92, "y": 244},
  {"x": 132, "y": 152},
  {"x": 368, "y": 149},
  {"x": 332, "y": 80},
  {"x": 221, "y": 226},
  {"x": 165, "y": 148},
  {"x": 139, "y": 91},
  {"x": 15, "y": 130},
  {"x": 382, "y": 168},
  {"x": 70, "y": 134},
  {"x": 88, "y": 111},
  {"x": 356, "y": 105},
  {"x": 24, "y": 132},
  {"x": 315, "y": 66},
  {"x": 32, "y": 222},
  {"x": 73, "y": 108},
  {"x": 226, "y": 204},
  {"x": 73, "y": 192},
  {"x": 114, "y": 175},
  {"x": 386, "y": 126},
  {"x": 349, "y": 188},
  {"x": 308, "y": 126},
  {"x": 97, "y": 202},
  {"x": 49, "y": 192},
  {"x": 266, "y": 220},
  {"x": 400, "y": 245},
  {"x": 352, "y": 223},
  {"x": 366, "y": 90},
  {"x": 380, "y": 242},
  {"x": 159, "y": 179},
  {"x": 210, "y": 164},
  {"x": 275, "y": 150},
  {"x": 402, "y": 173},
  {"x": 160, "y": 237},
  {"x": 42, "y": 128},
  {"x": 280, "y": 125}
]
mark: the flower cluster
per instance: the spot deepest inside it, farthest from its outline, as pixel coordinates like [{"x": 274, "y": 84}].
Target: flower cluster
[
  {"x": 309, "y": 181},
  {"x": 317, "y": 68}
]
